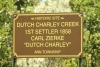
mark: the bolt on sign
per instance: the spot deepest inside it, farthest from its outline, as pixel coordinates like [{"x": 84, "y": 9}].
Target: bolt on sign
[{"x": 48, "y": 35}]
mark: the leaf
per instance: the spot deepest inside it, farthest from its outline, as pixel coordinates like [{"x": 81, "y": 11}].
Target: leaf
[
  {"x": 97, "y": 42},
  {"x": 98, "y": 4}
]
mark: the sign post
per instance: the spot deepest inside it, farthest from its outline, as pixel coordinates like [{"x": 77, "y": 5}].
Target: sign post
[
  {"x": 80, "y": 62},
  {"x": 14, "y": 62},
  {"x": 48, "y": 35}
]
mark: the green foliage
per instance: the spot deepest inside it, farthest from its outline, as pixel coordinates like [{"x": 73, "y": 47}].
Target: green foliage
[
  {"x": 5, "y": 29},
  {"x": 91, "y": 11},
  {"x": 7, "y": 9},
  {"x": 26, "y": 6}
]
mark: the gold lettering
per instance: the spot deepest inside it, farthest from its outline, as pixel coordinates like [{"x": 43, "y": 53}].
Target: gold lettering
[
  {"x": 43, "y": 18},
  {"x": 40, "y": 38},
  {"x": 34, "y": 44},
  {"x": 25, "y": 24},
  {"x": 37, "y": 52},
  {"x": 47, "y": 24},
  {"x": 54, "y": 38},
  {"x": 55, "y": 17},
  {"x": 47, "y": 44},
  {"x": 29, "y": 31},
  {"x": 46, "y": 31},
  {"x": 69, "y": 24},
  {"x": 51, "y": 51}
]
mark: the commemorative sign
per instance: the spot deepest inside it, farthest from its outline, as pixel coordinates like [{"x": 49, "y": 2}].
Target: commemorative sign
[{"x": 48, "y": 35}]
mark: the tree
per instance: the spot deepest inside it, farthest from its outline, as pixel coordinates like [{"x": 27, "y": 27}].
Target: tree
[
  {"x": 91, "y": 10},
  {"x": 6, "y": 31},
  {"x": 7, "y": 9}
]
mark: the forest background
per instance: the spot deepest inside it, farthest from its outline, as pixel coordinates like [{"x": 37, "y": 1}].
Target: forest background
[{"x": 91, "y": 37}]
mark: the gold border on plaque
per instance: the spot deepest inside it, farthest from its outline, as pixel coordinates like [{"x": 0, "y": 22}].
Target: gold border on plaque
[{"x": 48, "y": 55}]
